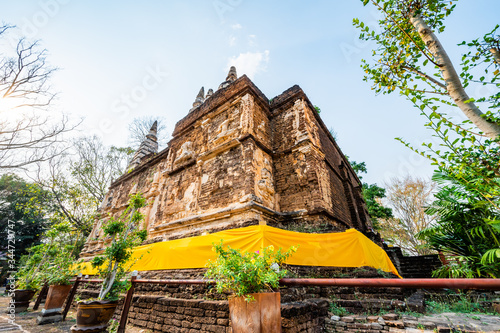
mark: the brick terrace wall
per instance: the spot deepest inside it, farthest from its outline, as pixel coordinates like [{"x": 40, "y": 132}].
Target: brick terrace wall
[
  {"x": 413, "y": 266},
  {"x": 168, "y": 308},
  {"x": 163, "y": 314}
]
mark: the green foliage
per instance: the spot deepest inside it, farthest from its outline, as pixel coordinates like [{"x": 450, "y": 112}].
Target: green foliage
[
  {"x": 51, "y": 262},
  {"x": 467, "y": 160},
  {"x": 460, "y": 303},
  {"x": 317, "y": 109},
  {"x": 401, "y": 56},
  {"x": 61, "y": 268},
  {"x": 25, "y": 213},
  {"x": 26, "y": 277},
  {"x": 246, "y": 273},
  {"x": 124, "y": 234},
  {"x": 97, "y": 165},
  {"x": 338, "y": 310},
  {"x": 372, "y": 193},
  {"x": 113, "y": 326},
  {"x": 359, "y": 168},
  {"x": 467, "y": 228}
]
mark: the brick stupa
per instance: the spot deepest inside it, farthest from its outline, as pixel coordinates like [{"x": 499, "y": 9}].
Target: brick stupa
[{"x": 238, "y": 159}]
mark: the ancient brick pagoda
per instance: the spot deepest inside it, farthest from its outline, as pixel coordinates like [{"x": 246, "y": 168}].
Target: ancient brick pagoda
[{"x": 238, "y": 159}]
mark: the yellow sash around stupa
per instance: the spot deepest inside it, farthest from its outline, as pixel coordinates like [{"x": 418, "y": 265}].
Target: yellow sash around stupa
[{"x": 342, "y": 249}]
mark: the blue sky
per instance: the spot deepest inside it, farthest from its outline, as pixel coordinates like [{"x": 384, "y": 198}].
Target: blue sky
[{"x": 125, "y": 59}]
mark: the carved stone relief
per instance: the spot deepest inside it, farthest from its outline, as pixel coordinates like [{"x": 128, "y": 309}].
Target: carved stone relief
[{"x": 185, "y": 153}]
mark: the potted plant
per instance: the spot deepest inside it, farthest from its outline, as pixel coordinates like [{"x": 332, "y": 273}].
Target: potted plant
[
  {"x": 58, "y": 275},
  {"x": 113, "y": 265},
  {"x": 33, "y": 268},
  {"x": 27, "y": 283},
  {"x": 252, "y": 278}
]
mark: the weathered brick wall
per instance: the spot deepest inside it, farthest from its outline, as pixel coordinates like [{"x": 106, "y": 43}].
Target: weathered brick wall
[
  {"x": 162, "y": 314},
  {"x": 167, "y": 314},
  {"x": 413, "y": 266}
]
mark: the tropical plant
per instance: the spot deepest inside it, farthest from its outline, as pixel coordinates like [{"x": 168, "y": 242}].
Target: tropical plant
[
  {"x": 468, "y": 228},
  {"x": 244, "y": 273},
  {"x": 28, "y": 277},
  {"x": 124, "y": 234}
]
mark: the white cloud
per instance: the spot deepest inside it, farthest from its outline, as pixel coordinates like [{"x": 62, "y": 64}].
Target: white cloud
[
  {"x": 232, "y": 40},
  {"x": 249, "y": 63},
  {"x": 252, "y": 40},
  {"x": 236, "y": 26}
]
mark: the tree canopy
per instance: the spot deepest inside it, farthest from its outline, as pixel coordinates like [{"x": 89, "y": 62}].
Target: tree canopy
[
  {"x": 25, "y": 211},
  {"x": 410, "y": 59},
  {"x": 372, "y": 193}
]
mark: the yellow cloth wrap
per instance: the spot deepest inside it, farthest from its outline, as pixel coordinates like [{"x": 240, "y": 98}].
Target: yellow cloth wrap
[{"x": 343, "y": 249}]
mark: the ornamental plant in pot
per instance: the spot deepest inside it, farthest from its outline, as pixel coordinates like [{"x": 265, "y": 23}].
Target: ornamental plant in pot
[
  {"x": 252, "y": 278},
  {"x": 30, "y": 275},
  {"x": 58, "y": 275},
  {"x": 113, "y": 266},
  {"x": 27, "y": 282}
]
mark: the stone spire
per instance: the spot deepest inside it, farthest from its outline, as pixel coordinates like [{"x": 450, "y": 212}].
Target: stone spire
[
  {"x": 200, "y": 98},
  {"x": 148, "y": 146},
  {"x": 209, "y": 93},
  {"x": 231, "y": 76}
]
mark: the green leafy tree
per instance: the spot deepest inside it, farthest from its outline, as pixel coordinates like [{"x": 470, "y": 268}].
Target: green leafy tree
[
  {"x": 372, "y": 193},
  {"x": 78, "y": 182},
  {"x": 25, "y": 213},
  {"x": 410, "y": 59},
  {"x": 97, "y": 165}
]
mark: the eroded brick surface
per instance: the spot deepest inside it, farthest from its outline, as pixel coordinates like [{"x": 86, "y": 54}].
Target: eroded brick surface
[{"x": 237, "y": 160}]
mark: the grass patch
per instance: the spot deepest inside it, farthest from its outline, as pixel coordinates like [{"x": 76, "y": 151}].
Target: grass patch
[
  {"x": 459, "y": 303},
  {"x": 338, "y": 310}
]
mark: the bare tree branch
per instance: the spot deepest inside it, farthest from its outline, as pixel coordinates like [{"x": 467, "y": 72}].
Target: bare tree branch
[
  {"x": 139, "y": 128},
  {"x": 27, "y": 129}
]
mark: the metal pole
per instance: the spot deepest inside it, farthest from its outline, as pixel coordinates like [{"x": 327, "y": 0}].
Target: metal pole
[
  {"x": 71, "y": 295},
  {"x": 126, "y": 304},
  {"x": 491, "y": 284}
]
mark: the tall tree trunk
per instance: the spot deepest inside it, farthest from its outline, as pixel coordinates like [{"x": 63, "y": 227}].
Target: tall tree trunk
[{"x": 453, "y": 84}]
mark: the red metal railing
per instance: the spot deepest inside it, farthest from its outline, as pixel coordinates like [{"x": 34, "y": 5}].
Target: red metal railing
[
  {"x": 490, "y": 284},
  {"x": 484, "y": 284}
]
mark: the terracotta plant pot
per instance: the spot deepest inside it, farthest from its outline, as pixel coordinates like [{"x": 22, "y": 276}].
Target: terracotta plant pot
[
  {"x": 56, "y": 296},
  {"x": 52, "y": 311},
  {"x": 22, "y": 298},
  {"x": 94, "y": 316},
  {"x": 263, "y": 315}
]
